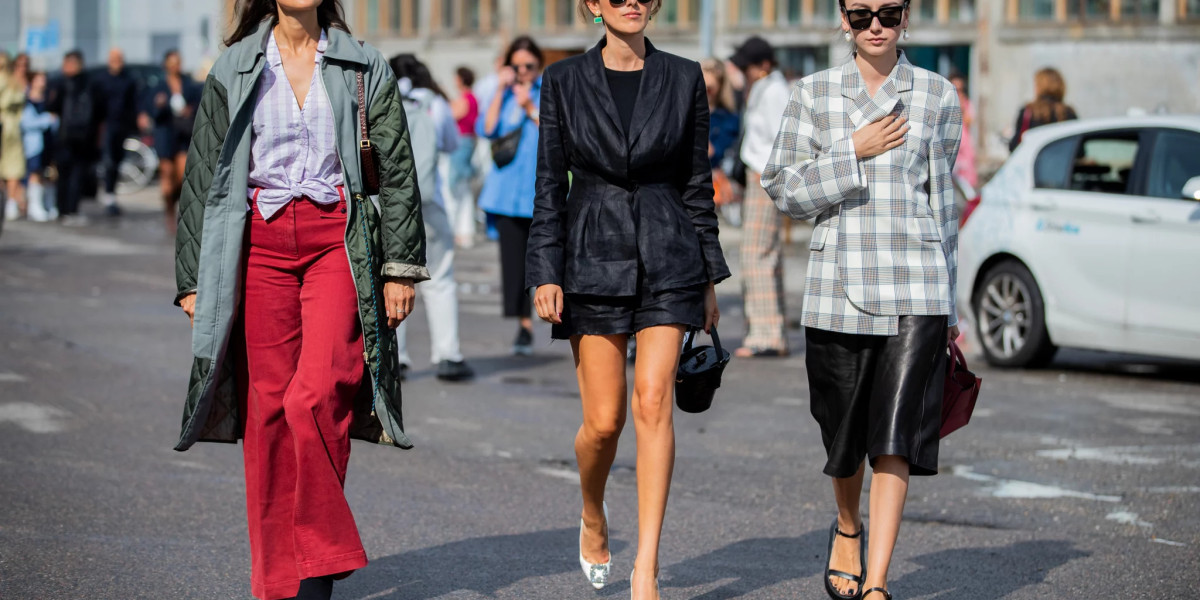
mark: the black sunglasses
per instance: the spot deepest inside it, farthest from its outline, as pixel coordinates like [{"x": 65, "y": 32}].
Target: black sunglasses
[
  {"x": 617, "y": 3},
  {"x": 526, "y": 67},
  {"x": 861, "y": 18}
]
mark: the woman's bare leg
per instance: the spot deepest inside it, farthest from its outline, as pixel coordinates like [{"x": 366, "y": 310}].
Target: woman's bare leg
[
  {"x": 600, "y": 367},
  {"x": 889, "y": 490},
  {"x": 848, "y": 492},
  {"x": 653, "y": 404}
]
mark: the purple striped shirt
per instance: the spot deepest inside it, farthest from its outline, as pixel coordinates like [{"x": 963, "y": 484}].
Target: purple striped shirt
[{"x": 293, "y": 150}]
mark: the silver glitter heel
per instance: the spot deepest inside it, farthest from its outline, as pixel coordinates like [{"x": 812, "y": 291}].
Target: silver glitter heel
[{"x": 597, "y": 575}]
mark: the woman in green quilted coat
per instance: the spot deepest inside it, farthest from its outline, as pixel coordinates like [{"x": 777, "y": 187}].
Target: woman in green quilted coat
[{"x": 294, "y": 270}]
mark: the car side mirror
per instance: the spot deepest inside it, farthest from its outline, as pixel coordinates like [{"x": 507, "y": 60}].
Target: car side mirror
[{"x": 1191, "y": 189}]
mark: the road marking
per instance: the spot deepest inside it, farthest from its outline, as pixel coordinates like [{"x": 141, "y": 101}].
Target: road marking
[
  {"x": 12, "y": 378},
  {"x": 1166, "y": 404},
  {"x": 1168, "y": 542},
  {"x": 1011, "y": 488},
  {"x": 34, "y": 417},
  {"x": 1129, "y": 455},
  {"x": 455, "y": 424},
  {"x": 1174, "y": 489},
  {"x": 1125, "y": 517},
  {"x": 569, "y": 475}
]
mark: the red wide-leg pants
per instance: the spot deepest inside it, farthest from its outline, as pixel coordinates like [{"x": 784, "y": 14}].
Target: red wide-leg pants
[{"x": 304, "y": 354}]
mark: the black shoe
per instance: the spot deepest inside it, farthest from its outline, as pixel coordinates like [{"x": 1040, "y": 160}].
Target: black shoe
[
  {"x": 523, "y": 345},
  {"x": 830, "y": 572},
  {"x": 449, "y": 370},
  {"x": 403, "y": 374},
  {"x": 316, "y": 588},
  {"x": 112, "y": 210}
]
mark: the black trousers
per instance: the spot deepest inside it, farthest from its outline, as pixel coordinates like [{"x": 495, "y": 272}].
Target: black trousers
[
  {"x": 876, "y": 395},
  {"x": 73, "y": 172},
  {"x": 514, "y": 236},
  {"x": 114, "y": 153}
]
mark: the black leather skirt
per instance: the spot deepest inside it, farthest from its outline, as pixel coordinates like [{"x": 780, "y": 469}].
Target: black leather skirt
[{"x": 879, "y": 395}]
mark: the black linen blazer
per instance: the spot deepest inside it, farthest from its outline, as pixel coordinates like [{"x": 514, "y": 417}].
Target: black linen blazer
[{"x": 632, "y": 207}]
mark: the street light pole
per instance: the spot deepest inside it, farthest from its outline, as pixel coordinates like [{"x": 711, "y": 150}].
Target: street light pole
[{"x": 708, "y": 14}]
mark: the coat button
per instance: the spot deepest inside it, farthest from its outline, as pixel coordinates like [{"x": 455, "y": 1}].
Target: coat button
[{"x": 343, "y": 210}]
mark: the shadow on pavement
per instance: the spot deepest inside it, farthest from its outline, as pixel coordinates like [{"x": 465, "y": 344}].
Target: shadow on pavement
[
  {"x": 985, "y": 573},
  {"x": 1127, "y": 365},
  {"x": 483, "y": 565},
  {"x": 751, "y": 565}
]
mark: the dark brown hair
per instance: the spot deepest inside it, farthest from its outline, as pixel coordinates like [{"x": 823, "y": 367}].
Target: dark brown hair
[
  {"x": 587, "y": 15},
  {"x": 527, "y": 44},
  {"x": 251, "y": 14},
  {"x": 466, "y": 76}
]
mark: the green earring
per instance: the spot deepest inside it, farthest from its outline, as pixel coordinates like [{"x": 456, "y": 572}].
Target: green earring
[{"x": 598, "y": 19}]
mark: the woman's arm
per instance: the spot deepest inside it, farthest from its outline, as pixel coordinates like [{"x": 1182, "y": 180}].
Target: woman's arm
[
  {"x": 698, "y": 190},
  {"x": 943, "y": 153},
  {"x": 401, "y": 226},
  {"x": 32, "y": 120},
  {"x": 488, "y": 124},
  {"x": 447, "y": 127},
  {"x": 208, "y": 136},
  {"x": 804, "y": 180},
  {"x": 544, "y": 256}
]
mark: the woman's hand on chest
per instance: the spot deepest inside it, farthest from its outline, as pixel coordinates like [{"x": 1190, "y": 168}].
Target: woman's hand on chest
[{"x": 879, "y": 137}]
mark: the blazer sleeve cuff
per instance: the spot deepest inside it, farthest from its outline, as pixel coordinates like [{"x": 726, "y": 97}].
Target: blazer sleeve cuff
[
  {"x": 405, "y": 271},
  {"x": 184, "y": 294},
  {"x": 843, "y": 152}
]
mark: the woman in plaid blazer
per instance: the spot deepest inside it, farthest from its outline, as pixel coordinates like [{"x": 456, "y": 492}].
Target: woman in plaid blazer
[{"x": 867, "y": 149}]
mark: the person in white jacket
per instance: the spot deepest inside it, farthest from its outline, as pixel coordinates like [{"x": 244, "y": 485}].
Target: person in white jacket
[
  {"x": 762, "y": 224},
  {"x": 433, "y": 132}
]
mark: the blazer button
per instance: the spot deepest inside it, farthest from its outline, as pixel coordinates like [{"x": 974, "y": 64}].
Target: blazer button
[{"x": 343, "y": 210}]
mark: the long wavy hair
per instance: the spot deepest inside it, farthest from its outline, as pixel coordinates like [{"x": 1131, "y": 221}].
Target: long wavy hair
[
  {"x": 1049, "y": 92},
  {"x": 251, "y": 13}
]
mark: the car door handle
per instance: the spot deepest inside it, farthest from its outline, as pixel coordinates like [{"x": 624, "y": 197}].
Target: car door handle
[
  {"x": 1043, "y": 206},
  {"x": 1146, "y": 219}
]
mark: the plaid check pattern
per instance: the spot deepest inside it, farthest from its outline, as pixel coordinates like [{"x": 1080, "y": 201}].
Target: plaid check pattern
[
  {"x": 886, "y": 237},
  {"x": 762, "y": 270}
]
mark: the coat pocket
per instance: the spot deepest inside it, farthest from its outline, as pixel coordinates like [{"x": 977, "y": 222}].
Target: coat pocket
[
  {"x": 818, "y": 238},
  {"x": 924, "y": 229}
]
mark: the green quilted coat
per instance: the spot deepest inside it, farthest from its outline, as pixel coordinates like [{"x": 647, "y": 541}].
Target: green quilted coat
[{"x": 385, "y": 236}]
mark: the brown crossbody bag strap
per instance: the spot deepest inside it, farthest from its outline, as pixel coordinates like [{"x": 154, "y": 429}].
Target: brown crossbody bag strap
[{"x": 366, "y": 151}]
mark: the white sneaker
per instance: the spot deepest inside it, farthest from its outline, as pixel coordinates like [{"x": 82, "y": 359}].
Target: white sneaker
[
  {"x": 36, "y": 203},
  {"x": 12, "y": 212}
]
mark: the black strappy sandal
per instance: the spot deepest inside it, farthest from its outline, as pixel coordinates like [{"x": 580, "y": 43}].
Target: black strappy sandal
[
  {"x": 862, "y": 558},
  {"x": 886, "y": 594}
]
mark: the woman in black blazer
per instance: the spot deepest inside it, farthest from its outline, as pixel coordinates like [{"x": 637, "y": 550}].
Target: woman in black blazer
[{"x": 624, "y": 241}]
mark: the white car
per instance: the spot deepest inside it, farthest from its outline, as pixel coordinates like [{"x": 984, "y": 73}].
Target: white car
[{"x": 1088, "y": 237}]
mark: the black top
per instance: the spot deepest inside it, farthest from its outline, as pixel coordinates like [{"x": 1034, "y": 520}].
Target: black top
[
  {"x": 121, "y": 91},
  {"x": 624, "y": 87},
  {"x": 639, "y": 215}
]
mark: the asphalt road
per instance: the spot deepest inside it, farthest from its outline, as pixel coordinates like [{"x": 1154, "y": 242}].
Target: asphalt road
[{"x": 1079, "y": 481}]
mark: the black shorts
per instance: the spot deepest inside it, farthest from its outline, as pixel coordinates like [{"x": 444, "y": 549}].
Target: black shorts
[{"x": 614, "y": 315}]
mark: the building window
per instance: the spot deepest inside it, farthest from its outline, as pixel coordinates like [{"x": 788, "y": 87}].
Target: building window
[
  {"x": 749, "y": 12},
  {"x": 792, "y": 11},
  {"x": 1189, "y": 9},
  {"x": 826, "y": 12},
  {"x": 372, "y": 16},
  {"x": 1036, "y": 10},
  {"x": 924, "y": 10},
  {"x": 537, "y": 13}
]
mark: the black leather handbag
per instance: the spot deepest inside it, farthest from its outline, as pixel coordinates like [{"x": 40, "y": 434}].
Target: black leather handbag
[
  {"x": 699, "y": 374},
  {"x": 504, "y": 149}
]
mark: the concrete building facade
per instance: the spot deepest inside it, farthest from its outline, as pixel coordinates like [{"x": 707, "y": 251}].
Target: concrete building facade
[
  {"x": 1118, "y": 56},
  {"x": 144, "y": 29}
]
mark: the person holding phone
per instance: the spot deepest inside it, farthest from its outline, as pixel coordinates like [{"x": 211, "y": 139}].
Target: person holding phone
[
  {"x": 511, "y": 123},
  {"x": 868, "y": 148}
]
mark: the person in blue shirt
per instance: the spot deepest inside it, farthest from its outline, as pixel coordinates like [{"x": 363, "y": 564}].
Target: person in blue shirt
[
  {"x": 507, "y": 196},
  {"x": 37, "y": 132}
]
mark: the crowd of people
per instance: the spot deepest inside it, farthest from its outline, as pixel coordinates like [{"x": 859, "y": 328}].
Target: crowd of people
[
  {"x": 309, "y": 221},
  {"x": 63, "y": 135}
]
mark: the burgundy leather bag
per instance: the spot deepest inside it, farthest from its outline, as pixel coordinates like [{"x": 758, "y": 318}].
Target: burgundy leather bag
[
  {"x": 961, "y": 392},
  {"x": 367, "y": 158}
]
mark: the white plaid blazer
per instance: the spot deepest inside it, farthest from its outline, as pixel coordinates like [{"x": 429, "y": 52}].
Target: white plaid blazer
[{"x": 886, "y": 237}]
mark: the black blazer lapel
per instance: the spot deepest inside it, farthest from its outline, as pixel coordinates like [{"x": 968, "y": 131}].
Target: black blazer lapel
[
  {"x": 653, "y": 78},
  {"x": 599, "y": 82}
]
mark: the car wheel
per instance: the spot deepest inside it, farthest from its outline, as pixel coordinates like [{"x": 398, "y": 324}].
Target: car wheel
[{"x": 1011, "y": 318}]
